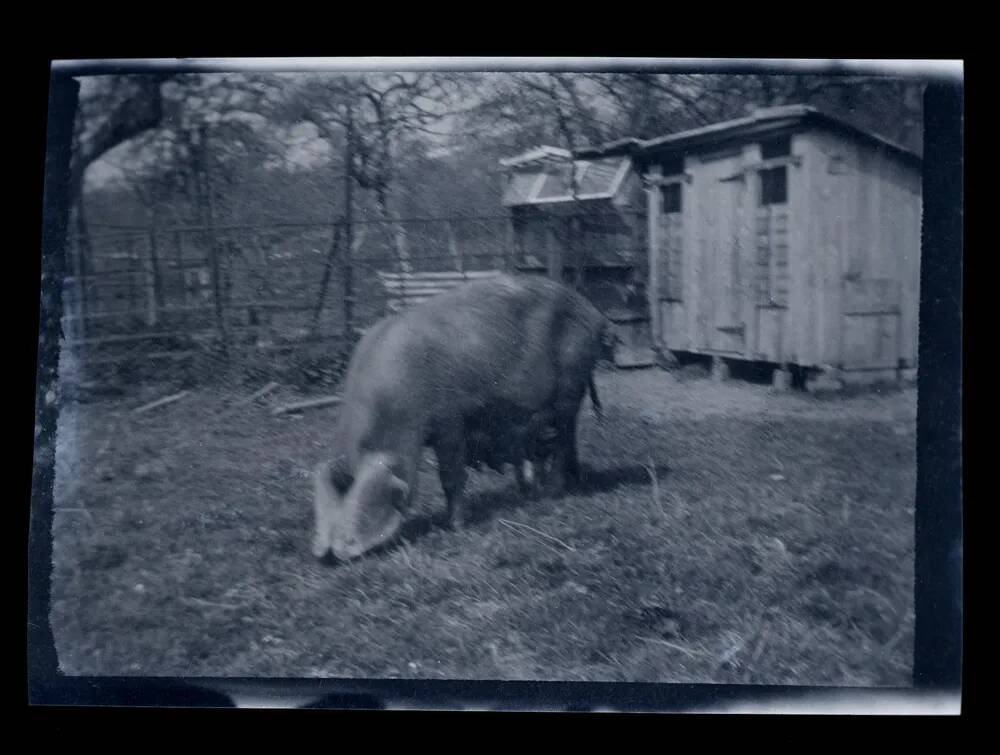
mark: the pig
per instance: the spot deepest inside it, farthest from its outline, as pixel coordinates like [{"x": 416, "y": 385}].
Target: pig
[
  {"x": 501, "y": 434},
  {"x": 416, "y": 379}
]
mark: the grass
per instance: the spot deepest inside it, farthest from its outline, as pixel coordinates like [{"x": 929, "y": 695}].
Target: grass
[{"x": 726, "y": 534}]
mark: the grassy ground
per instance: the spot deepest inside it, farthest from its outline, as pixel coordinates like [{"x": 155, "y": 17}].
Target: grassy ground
[{"x": 727, "y": 534}]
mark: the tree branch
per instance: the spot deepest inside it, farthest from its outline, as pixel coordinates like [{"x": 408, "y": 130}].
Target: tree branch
[{"x": 133, "y": 116}]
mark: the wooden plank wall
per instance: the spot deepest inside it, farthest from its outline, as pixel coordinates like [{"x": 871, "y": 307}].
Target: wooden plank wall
[
  {"x": 829, "y": 212},
  {"x": 910, "y": 190},
  {"x": 802, "y": 318},
  {"x": 716, "y": 293},
  {"x": 853, "y": 272},
  {"x": 864, "y": 219},
  {"x": 769, "y": 237},
  {"x": 675, "y": 247}
]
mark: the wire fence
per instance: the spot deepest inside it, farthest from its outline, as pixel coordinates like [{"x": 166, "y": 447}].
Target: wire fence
[{"x": 260, "y": 302}]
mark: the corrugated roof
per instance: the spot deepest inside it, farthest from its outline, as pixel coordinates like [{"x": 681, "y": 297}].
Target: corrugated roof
[{"x": 765, "y": 118}]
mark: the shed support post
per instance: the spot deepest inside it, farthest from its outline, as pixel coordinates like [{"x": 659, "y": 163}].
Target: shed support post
[
  {"x": 510, "y": 241},
  {"x": 720, "y": 369},
  {"x": 665, "y": 358},
  {"x": 781, "y": 378},
  {"x": 827, "y": 379}
]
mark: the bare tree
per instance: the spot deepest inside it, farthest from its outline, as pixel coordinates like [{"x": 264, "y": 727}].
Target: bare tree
[
  {"x": 116, "y": 110},
  {"x": 370, "y": 116}
]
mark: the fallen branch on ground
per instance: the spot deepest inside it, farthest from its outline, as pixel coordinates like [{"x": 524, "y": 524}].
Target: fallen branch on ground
[
  {"x": 515, "y": 525},
  {"x": 310, "y": 404},
  {"x": 73, "y": 509},
  {"x": 245, "y": 401},
  {"x": 258, "y": 394},
  {"x": 160, "y": 402},
  {"x": 681, "y": 648},
  {"x": 200, "y": 602}
]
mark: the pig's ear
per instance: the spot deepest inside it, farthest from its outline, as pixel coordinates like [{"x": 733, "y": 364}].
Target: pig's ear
[
  {"x": 399, "y": 484},
  {"x": 400, "y": 490},
  {"x": 326, "y": 490}
]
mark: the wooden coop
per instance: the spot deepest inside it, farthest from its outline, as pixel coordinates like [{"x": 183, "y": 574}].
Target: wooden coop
[
  {"x": 787, "y": 237},
  {"x": 594, "y": 239}
]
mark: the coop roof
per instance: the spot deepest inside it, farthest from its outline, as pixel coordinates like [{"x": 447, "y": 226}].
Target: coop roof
[
  {"x": 761, "y": 121},
  {"x": 535, "y": 156},
  {"x": 544, "y": 181}
]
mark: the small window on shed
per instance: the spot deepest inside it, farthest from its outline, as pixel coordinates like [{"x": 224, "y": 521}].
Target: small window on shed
[
  {"x": 779, "y": 147},
  {"x": 774, "y": 186},
  {"x": 671, "y": 198},
  {"x": 673, "y": 166}
]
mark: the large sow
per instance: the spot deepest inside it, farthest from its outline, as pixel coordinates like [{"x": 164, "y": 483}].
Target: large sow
[{"x": 415, "y": 379}]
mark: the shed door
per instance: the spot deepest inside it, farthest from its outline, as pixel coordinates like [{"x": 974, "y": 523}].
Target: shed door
[{"x": 723, "y": 279}]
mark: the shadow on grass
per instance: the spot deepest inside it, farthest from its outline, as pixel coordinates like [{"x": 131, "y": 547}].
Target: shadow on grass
[{"x": 606, "y": 480}]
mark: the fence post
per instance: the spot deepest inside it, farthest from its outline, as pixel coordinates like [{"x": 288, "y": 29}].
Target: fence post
[
  {"x": 130, "y": 255},
  {"x": 213, "y": 252},
  {"x": 149, "y": 295},
  {"x": 155, "y": 285},
  {"x": 555, "y": 252},
  {"x": 578, "y": 254},
  {"x": 348, "y": 255},
  {"x": 84, "y": 253},
  {"x": 456, "y": 253},
  {"x": 510, "y": 237},
  {"x": 325, "y": 280},
  {"x": 182, "y": 286},
  {"x": 78, "y": 312}
]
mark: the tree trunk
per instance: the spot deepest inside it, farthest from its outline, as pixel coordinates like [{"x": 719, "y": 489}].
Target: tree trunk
[
  {"x": 348, "y": 270},
  {"x": 397, "y": 227},
  {"x": 327, "y": 271},
  {"x": 213, "y": 251},
  {"x": 767, "y": 87},
  {"x": 84, "y": 254},
  {"x": 155, "y": 275}
]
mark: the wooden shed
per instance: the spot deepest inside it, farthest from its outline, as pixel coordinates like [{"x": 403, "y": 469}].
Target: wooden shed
[
  {"x": 593, "y": 238},
  {"x": 788, "y": 237}
]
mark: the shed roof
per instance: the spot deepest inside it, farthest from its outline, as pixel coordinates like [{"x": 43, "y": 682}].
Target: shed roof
[
  {"x": 767, "y": 119},
  {"x": 545, "y": 178}
]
